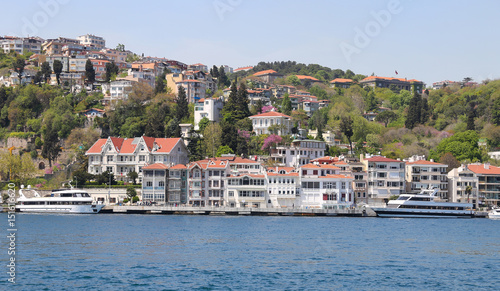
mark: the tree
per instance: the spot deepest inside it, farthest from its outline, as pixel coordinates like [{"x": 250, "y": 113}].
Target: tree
[
  {"x": 414, "y": 112},
  {"x": 131, "y": 193},
  {"x": 286, "y": 105},
  {"x": 222, "y": 80},
  {"x": 120, "y": 47},
  {"x": 46, "y": 71},
  {"x": 242, "y": 102},
  {"x": 386, "y": 117},
  {"x": 211, "y": 139},
  {"x": 270, "y": 141},
  {"x": 214, "y": 71},
  {"x": 224, "y": 150},
  {"x": 173, "y": 129},
  {"x": 133, "y": 176},
  {"x": 463, "y": 146},
  {"x": 194, "y": 146},
  {"x": 182, "y": 110},
  {"x": 17, "y": 167},
  {"x": 471, "y": 113},
  {"x": 89, "y": 72},
  {"x": 160, "y": 83},
  {"x": 346, "y": 128},
  {"x": 51, "y": 142},
  {"x": 203, "y": 123},
  {"x": 111, "y": 71},
  {"x": 231, "y": 104},
  {"x": 450, "y": 160},
  {"x": 18, "y": 65},
  {"x": 58, "y": 67},
  {"x": 259, "y": 106},
  {"x": 229, "y": 134},
  {"x": 468, "y": 190}
]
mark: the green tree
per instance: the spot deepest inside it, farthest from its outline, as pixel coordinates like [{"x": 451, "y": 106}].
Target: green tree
[
  {"x": 346, "y": 128},
  {"x": 223, "y": 150},
  {"x": 222, "y": 80},
  {"x": 386, "y": 117},
  {"x": 242, "y": 102},
  {"x": 46, "y": 71},
  {"x": 160, "y": 83},
  {"x": 204, "y": 122},
  {"x": 214, "y": 71},
  {"x": 471, "y": 113},
  {"x": 231, "y": 104},
  {"x": 414, "y": 112},
  {"x": 89, "y": 72},
  {"x": 211, "y": 139},
  {"x": 111, "y": 71},
  {"x": 463, "y": 146},
  {"x": 173, "y": 129},
  {"x": 182, "y": 110},
  {"x": 120, "y": 47},
  {"x": 51, "y": 142},
  {"x": 131, "y": 193},
  {"x": 58, "y": 67},
  {"x": 195, "y": 147},
  {"x": 286, "y": 105},
  {"x": 18, "y": 65},
  {"x": 133, "y": 176},
  {"x": 259, "y": 106}
]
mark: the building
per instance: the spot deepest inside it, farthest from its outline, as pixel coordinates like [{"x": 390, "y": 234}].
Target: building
[
  {"x": 208, "y": 107},
  {"x": 341, "y": 83},
  {"x": 304, "y": 78},
  {"x": 243, "y": 69},
  {"x": 20, "y": 45},
  {"x": 443, "y": 84},
  {"x": 281, "y": 123},
  {"x": 268, "y": 75},
  {"x": 398, "y": 83},
  {"x": 247, "y": 190},
  {"x": 63, "y": 59},
  {"x": 422, "y": 174},
  {"x": 323, "y": 187},
  {"x": 459, "y": 179},
  {"x": 283, "y": 187},
  {"x": 115, "y": 55},
  {"x": 198, "y": 67},
  {"x": 124, "y": 155},
  {"x": 386, "y": 177},
  {"x": 55, "y": 46},
  {"x": 153, "y": 183},
  {"x": 300, "y": 152},
  {"x": 488, "y": 181},
  {"x": 91, "y": 40},
  {"x": 116, "y": 90}
]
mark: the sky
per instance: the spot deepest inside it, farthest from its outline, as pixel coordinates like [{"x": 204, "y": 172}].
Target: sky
[{"x": 424, "y": 40}]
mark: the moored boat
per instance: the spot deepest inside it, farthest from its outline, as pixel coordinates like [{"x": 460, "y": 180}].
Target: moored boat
[
  {"x": 423, "y": 205},
  {"x": 494, "y": 213},
  {"x": 60, "y": 201}
]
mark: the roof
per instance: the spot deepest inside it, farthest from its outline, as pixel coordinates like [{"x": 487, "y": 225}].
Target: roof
[
  {"x": 304, "y": 77},
  {"x": 424, "y": 162},
  {"x": 374, "y": 78},
  {"x": 337, "y": 177},
  {"x": 270, "y": 114},
  {"x": 340, "y": 80},
  {"x": 156, "y": 166},
  {"x": 266, "y": 72},
  {"x": 248, "y": 175},
  {"x": 178, "y": 167},
  {"x": 128, "y": 145},
  {"x": 243, "y": 68},
  {"x": 320, "y": 166},
  {"x": 382, "y": 159},
  {"x": 481, "y": 169}
]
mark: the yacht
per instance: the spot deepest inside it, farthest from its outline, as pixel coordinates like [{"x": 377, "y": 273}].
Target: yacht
[
  {"x": 423, "y": 205},
  {"x": 59, "y": 201},
  {"x": 494, "y": 213}
]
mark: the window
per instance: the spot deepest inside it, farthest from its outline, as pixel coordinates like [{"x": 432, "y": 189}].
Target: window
[
  {"x": 142, "y": 158},
  {"x": 149, "y": 184},
  {"x": 109, "y": 169},
  {"x": 109, "y": 158},
  {"x": 161, "y": 183}
]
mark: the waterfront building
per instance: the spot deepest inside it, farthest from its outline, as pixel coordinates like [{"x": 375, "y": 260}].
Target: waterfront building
[
  {"x": 272, "y": 119},
  {"x": 422, "y": 174},
  {"x": 322, "y": 186},
  {"x": 247, "y": 190},
  {"x": 300, "y": 152},
  {"x": 283, "y": 187},
  {"x": 458, "y": 180},
  {"x": 153, "y": 183},
  {"x": 386, "y": 177},
  {"x": 488, "y": 183},
  {"x": 121, "y": 156}
]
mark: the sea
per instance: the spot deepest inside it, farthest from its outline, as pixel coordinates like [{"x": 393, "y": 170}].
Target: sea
[{"x": 175, "y": 252}]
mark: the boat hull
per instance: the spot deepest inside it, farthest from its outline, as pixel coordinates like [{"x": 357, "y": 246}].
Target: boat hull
[
  {"x": 73, "y": 209},
  {"x": 420, "y": 213}
]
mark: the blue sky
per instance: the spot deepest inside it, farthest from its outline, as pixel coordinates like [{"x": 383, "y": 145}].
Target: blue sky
[{"x": 426, "y": 40}]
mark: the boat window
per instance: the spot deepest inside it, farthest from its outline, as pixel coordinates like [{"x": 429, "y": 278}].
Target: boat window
[
  {"x": 402, "y": 198},
  {"x": 420, "y": 199}
]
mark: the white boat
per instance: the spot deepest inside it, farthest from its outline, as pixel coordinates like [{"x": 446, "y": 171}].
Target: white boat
[
  {"x": 60, "y": 201},
  {"x": 494, "y": 213},
  {"x": 423, "y": 205}
]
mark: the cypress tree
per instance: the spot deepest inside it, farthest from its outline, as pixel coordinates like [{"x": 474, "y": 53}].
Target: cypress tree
[
  {"x": 242, "y": 102},
  {"x": 182, "y": 104},
  {"x": 89, "y": 72}
]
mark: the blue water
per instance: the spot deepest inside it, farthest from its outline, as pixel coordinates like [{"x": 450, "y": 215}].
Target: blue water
[{"x": 144, "y": 252}]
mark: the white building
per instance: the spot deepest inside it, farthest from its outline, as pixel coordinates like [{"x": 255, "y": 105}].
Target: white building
[
  {"x": 20, "y": 45},
  {"x": 299, "y": 153},
  {"x": 281, "y": 122},
  {"x": 92, "y": 41},
  {"x": 424, "y": 174},
  {"x": 124, "y": 155},
  {"x": 386, "y": 177},
  {"x": 283, "y": 187},
  {"x": 208, "y": 107},
  {"x": 117, "y": 90},
  {"x": 323, "y": 187},
  {"x": 458, "y": 180}
]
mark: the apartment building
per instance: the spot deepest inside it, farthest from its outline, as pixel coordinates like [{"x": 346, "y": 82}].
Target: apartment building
[
  {"x": 387, "y": 82},
  {"x": 283, "y": 187},
  {"x": 300, "y": 152},
  {"x": 422, "y": 174},
  {"x": 121, "y": 156},
  {"x": 459, "y": 179},
  {"x": 385, "y": 177},
  {"x": 91, "y": 40},
  {"x": 20, "y": 45},
  {"x": 208, "y": 107},
  {"x": 272, "y": 119}
]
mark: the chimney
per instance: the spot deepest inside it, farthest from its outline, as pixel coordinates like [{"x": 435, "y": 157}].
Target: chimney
[{"x": 487, "y": 166}]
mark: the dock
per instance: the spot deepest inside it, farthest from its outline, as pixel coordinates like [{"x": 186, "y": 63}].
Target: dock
[{"x": 186, "y": 210}]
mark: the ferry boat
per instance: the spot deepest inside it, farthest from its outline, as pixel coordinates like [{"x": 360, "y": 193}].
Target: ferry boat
[
  {"x": 60, "y": 201},
  {"x": 494, "y": 213},
  {"x": 423, "y": 205}
]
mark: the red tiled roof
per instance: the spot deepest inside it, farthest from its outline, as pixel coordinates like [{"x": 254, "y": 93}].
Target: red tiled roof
[
  {"x": 166, "y": 144},
  {"x": 244, "y": 68},
  {"x": 126, "y": 145},
  {"x": 340, "y": 80},
  {"x": 480, "y": 169},
  {"x": 270, "y": 114},
  {"x": 337, "y": 177},
  {"x": 156, "y": 166},
  {"x": 320, "y": 166},
  {"x": 382, "y": 159},
  {"x": 266, "y": 72},
  {"x": 304, "y": 77},
  {"x": 388, "y": 79},
  {"x": 424, "y": 162},
  {"x": 178, "y": 167},
  {"x": 97, "y": 146}
]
